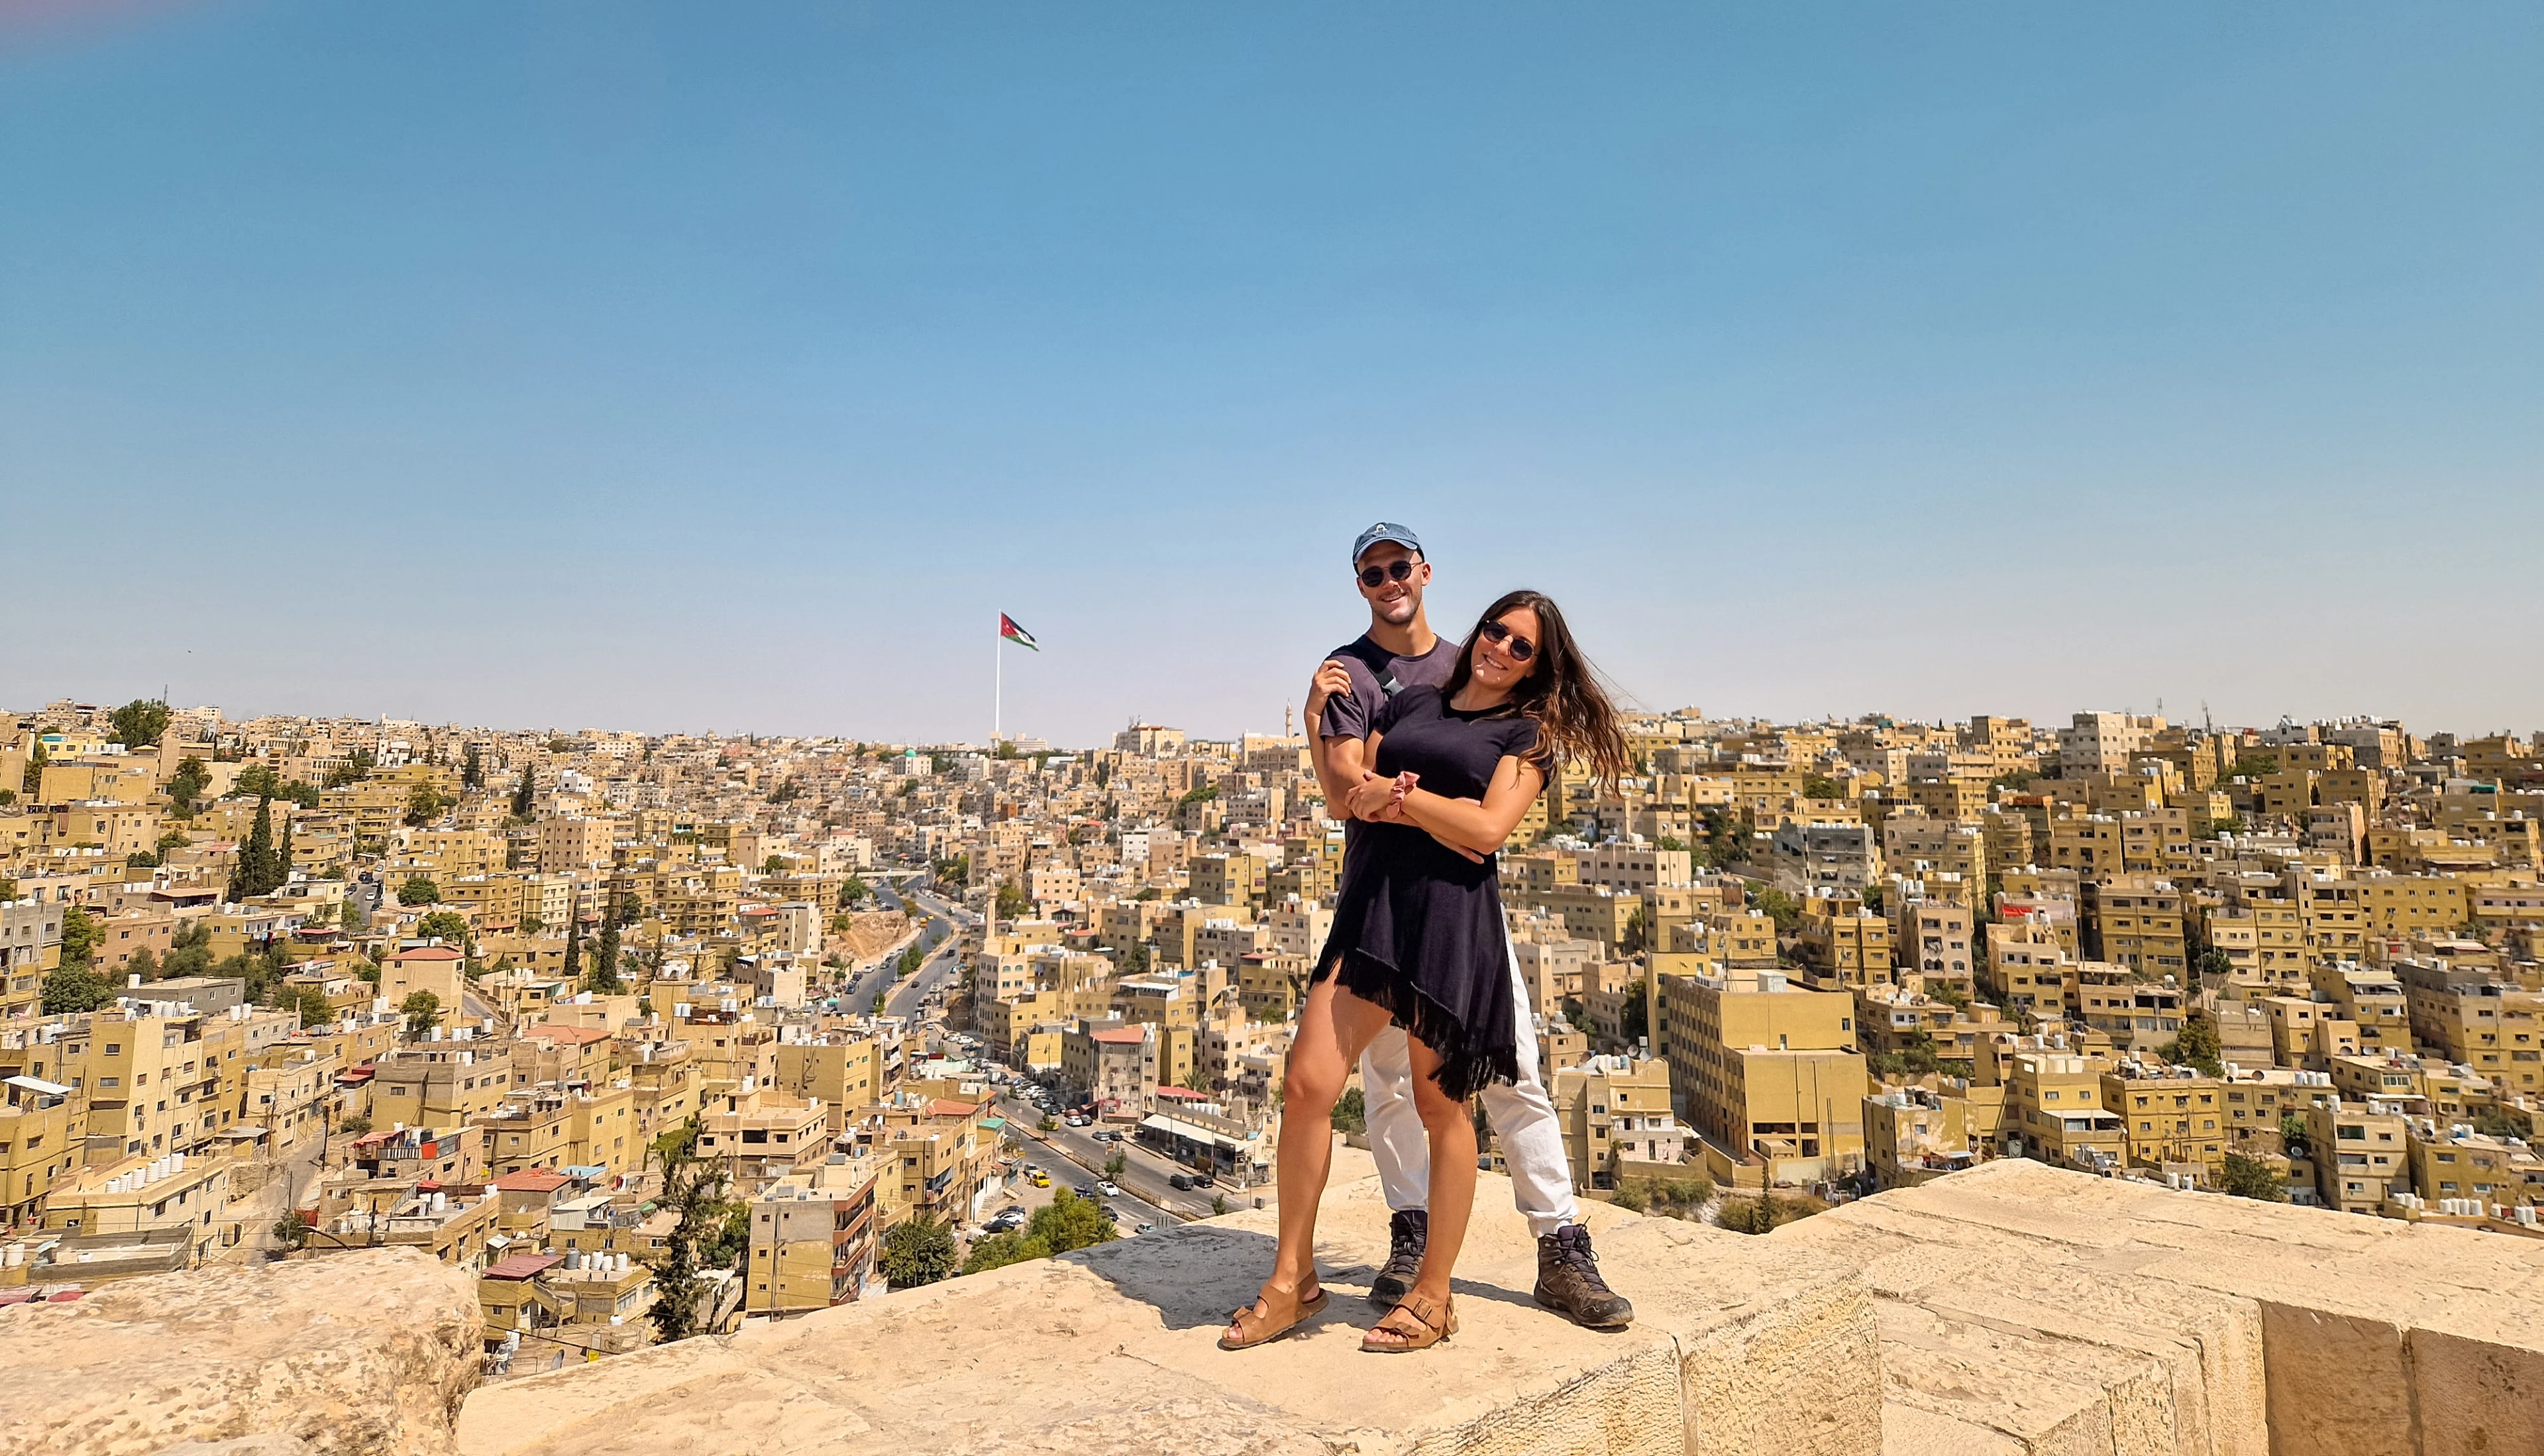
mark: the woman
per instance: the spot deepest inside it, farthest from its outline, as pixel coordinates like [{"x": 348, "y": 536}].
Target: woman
[{"x": 1417, "y": 938}]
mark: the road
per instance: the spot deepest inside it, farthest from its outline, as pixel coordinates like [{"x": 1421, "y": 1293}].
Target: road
[{"x": 1144, "y": 1176}]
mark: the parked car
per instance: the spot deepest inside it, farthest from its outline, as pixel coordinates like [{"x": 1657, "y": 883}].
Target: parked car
[
  {"x": 1085, "y": 1191},
  {"x": 1039, "y": 1179},
  {"x": 1204, "y": 1180},
  {"x": 1178, "y": 1181},
  {"x": 1077, "y": 1122}
]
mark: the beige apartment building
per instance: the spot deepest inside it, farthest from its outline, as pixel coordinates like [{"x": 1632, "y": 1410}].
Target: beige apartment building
[
  {"x": 813, "y": 1239},
  {"x": 1615, "y": 1118},
  {"x": 1767, "y": 1075}
]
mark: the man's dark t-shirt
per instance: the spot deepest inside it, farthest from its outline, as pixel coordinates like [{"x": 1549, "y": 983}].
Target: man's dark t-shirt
[{"x": 1376, "y": 676}]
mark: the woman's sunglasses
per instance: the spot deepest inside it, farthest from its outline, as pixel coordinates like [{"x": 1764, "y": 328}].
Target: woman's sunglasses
[
  {"x": 1374, "y": 577},
  {"x": 1520, "y": 648}
]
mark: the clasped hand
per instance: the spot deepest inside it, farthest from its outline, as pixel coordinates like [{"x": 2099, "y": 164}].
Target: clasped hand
[{"x": 1381, "y": 800}]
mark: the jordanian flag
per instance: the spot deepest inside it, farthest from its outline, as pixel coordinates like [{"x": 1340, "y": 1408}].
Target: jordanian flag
[{"x": 1009, "y": 629}]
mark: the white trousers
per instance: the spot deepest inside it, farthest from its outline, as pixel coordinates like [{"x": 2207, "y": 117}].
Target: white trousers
[{"x": 1521, "y": 1114}]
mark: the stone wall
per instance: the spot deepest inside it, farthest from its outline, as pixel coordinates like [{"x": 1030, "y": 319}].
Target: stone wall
[
  {"x": 2012, "y": 1309},
  {"x": 347, "y": 1356}
]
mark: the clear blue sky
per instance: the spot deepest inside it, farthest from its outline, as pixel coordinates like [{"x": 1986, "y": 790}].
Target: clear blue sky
[{"x": 732, "y": 367}]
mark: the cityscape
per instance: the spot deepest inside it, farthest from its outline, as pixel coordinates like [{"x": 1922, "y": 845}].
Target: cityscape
[
  {"x": 654, "y": 1037},
  {"x": 674, "y": 778}
]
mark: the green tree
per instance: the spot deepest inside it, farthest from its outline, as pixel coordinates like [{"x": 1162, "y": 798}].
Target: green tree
[
  {"x": 419, "y": 890},
  {"x": 186, "y": 784},
  {"x": 919, "y": 1251},
  {"x": 999, "y": 1251},
  {"x": 350, "y": 918},
  {"x": 910, "y": 960},
  {"x": 1351, "y": 1111},
  {"x": 574, "y": 945},
  {"x": 70, "y": 988},
  {"x": 472, "y": 768},
  {"x": 355, "y": 768},
  {"x": 33, "y": 780},
  {"x": 704, "y": 1235},
  {"x": 422, "y": 1010},
  {"x": 1218, "y": 1204},
  {"x": 143, "y": 964},
  {"x": 1777, "y": 906},
  {"x": 1135, "y": 961},
  {"x": 1011, "y": 902},
  {"x": 189, "y": 951},
  {"x": 281, "y": 868},
  {"x": 315, "y": 1011},
  {"x": 254, "y": 874},
  {"x": 80, "y": 934},
  {"x": 423, "y": 802},
  {"x": 140, "y": 723},
  {"x": 1069, "y": 1222},
  {"x": 605, "y": 975},
  {"x": 526, "y": 796},
  {"x": 1821, "y": 787},
  {"x": 854, "y": 892},
  {"x": 1634, "y": 1017},
  {"x": 1115, "y": 1165},
  {"x": 774, "y": 865},
  {"x": 2252, "y": 1178},
  {"x": 2293, "y": 1135},
  {"x": 2197, "y": 1045},
  {"x": 449, "y": 927},
  {"x": 256, "y": 778}
]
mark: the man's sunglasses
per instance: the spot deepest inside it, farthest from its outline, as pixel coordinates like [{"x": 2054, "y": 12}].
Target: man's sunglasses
[
  {"x": 1374, "y": 577},
  {"x": 1520, "y": 648}
]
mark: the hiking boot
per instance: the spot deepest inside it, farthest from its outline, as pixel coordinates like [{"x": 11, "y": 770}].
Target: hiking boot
[
  {"x": 1568, "y": 1282},
  {"x": 1408, "y": 1235}
]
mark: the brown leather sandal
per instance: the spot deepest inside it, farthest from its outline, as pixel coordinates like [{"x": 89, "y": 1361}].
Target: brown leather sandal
[
  {"x": 1417, "y": 1322},
  {"x": 1282, "y": 1312}
]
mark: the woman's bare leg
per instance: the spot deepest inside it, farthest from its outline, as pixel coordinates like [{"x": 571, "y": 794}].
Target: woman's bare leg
[
  {"x": 1451, "y": 1132},
  {"x": 1335, "y": 1028}
]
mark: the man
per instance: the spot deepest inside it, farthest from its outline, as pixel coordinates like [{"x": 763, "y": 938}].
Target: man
[{"x": 1400, "y": 651}]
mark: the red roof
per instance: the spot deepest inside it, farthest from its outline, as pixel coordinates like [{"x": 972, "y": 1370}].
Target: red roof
[
  {"x": 533, "y": 1181},
  {"x": 523, "y": 1266},
  {"x": 1125, "y": 1036},
  {"x": 948, "y": 1108}
]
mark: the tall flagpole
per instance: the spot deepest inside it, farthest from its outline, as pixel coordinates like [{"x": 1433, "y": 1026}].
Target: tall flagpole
[{"x": 998, "y": 685}]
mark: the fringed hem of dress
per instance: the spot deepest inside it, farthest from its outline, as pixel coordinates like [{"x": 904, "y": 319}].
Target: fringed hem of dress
[{"x": 1464, "y": 1069}]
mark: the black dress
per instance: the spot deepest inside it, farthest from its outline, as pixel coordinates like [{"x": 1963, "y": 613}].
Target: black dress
[{"x": 1418, "y": 926}]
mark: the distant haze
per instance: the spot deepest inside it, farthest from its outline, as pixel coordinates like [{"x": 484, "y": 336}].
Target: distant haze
[{"x": 662, "y": 367}]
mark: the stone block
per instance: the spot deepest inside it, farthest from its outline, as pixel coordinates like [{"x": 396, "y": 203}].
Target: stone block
[
  {"x": 1114, "y": 1349},
  {"x": 353, "y": 1354}
]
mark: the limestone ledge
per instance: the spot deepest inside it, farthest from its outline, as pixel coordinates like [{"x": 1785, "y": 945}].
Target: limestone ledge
[
  {"x": 2011, "y": 1308},
  {"x": 1741, "y": 1346},
  {"x": 357, "y": 1355},
  {"x": 2028, "y": 1309}
]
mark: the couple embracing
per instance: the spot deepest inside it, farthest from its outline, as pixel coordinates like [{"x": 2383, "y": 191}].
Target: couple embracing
[{"x": 1432, "y": 750}]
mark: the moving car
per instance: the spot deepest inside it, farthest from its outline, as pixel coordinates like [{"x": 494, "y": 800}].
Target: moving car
[
  {"x": 1178, "y": 1181},
  {"x": 1105, "y": 1186}
]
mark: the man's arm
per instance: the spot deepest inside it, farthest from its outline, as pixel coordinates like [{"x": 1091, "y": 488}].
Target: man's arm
[{"x": 1339, "y": 761}]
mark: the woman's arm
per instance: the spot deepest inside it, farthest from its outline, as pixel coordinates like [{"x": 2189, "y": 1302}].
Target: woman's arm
[{"x": 1485, "y": 826}]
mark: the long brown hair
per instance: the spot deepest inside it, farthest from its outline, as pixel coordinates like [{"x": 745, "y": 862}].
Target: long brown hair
[{"x": 1574, "y": 719}]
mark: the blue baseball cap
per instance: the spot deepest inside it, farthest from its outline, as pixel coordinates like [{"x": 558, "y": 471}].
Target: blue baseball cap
[{"x": 1385, "y": 531}]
